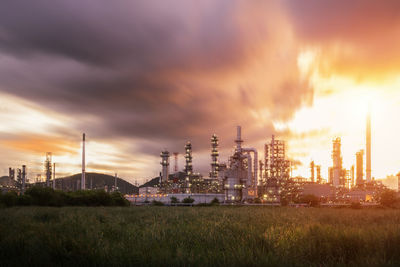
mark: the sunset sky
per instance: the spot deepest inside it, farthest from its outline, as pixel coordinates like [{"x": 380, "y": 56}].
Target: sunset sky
[{"x": 139, "y": 77}]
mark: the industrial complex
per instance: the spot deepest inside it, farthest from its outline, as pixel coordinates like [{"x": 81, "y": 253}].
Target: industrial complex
[{"x": 247, "y": 176}]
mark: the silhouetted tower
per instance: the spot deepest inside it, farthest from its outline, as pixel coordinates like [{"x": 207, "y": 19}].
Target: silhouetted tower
[
  {"x": 360, "y": 169},
  {"x": 368, "y": 148},
  {"x": 83, "y": 178},
  {"x": 319, "y": 178},
  {"x": 176, "y": 162},
  {"x": 165, "y": 166},
  {"x": 352, "y": 176},
  {"x": 188, "y": 158},
  {"x": 54, "y": 176},
  {"x": 214, "y": 157},
  {"x": 337, "y": 162},
  {"x": 23, "y": 174},
  {"x": 47, "y": 168},
  {"x": 312, "y": 167}
]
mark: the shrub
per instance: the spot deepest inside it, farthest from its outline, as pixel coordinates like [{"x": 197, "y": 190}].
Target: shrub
[
  {"x": 174, "y": 200},
  {"x": 311, "y": 200},
  {"x": 388, "y": 198},
  {"x": 188, "y": 200},
  {"x": 257, "y": 200},
  {"x": 25, "y": 200},
  {"x": 157, "y": 203},
  {"x": 215, "y": 201},
  {"x": 9, "y": 199},
  {"x": 118, "y": 199}
]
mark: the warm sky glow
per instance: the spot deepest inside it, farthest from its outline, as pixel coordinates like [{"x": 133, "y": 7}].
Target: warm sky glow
[{"x": 140, "y": 77}]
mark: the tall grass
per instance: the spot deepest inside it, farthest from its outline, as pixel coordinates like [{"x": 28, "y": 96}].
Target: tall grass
[{"x": 200, "y": 236}]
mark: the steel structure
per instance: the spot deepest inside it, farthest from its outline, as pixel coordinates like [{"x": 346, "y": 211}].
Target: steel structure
[
  {"x": 214, "y": 157},
  {"x": 337, "y": 163},
  {"x": 368, "y": 148},
  {"x": 165, "y": 166},
  {"x": 48, "y": 168},
  {"x": 83, "y": 178},
  {"x": 360, "y": 167}
]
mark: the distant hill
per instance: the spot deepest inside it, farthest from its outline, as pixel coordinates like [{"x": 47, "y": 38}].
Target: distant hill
[
  {"x": 95, "y": 181},
  {"x": 180, "y": 176}
]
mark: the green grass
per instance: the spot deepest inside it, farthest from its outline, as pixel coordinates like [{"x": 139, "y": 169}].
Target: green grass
[{"x": 199, "y": 236}]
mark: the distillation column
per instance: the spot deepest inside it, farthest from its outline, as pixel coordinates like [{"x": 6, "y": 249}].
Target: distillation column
[
  {"x": 165, "y": 166},
  {"x": 368, "y": 148},
  {"x": 214, "y": 157}
]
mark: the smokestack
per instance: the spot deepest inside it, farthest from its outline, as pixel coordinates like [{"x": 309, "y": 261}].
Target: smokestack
[
  {"x": 238, "y": 140},
  {"x": 83, "y": 180},
  {"x": 54, "y": 176},
  {"x": 23, "y": 179},
  {"x": 368, "y": 148}
]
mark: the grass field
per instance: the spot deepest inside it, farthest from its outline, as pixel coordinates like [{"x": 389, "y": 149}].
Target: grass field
[{"x": 199, "y": 236}]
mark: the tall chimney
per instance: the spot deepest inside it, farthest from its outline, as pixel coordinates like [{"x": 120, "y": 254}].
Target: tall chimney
[
  {"x": 368, "y": 148},
  {"x": 23, "y": 178},
  {"x": 54, "y": 176},
  {"x": 83, "y": 163}
]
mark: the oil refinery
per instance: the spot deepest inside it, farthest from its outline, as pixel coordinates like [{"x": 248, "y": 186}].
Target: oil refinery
[{"x": 247, "y": 176}]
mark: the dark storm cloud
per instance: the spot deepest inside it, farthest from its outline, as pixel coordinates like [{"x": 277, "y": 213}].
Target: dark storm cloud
[{"x": 154, "y": 70}]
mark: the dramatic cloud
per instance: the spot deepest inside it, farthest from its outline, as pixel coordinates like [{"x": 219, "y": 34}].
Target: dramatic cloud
[
  {"x": 356, "y": 38},
  {"x": 143, "y": 76}
]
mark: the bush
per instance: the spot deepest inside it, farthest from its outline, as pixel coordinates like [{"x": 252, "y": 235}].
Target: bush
[
  {"x": 388, "y": 198},
  {"x": 188, "y": 200},
  {"x": 45, "y": 196},
  {"x": 311, "y": 200},
  {"x": 25, "y": 200},
  {"x": 174, "y": 200},
  {"x": 9, "y": 199},
  {"x": 157, "y": 203},
  {"x": 257, "y": 200},
  {"x": 215, "y": 201}
]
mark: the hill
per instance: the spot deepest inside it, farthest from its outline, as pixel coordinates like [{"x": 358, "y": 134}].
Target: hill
[
  {"x": 180, "y": 176},
  {"x": 95, "y": 181}
]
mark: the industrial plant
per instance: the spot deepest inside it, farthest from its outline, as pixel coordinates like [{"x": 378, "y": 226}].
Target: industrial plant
[{"x": 247, "y": 176}]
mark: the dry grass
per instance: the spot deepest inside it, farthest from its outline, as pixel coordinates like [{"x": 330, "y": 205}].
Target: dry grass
[{"x": 199, "y": 236}]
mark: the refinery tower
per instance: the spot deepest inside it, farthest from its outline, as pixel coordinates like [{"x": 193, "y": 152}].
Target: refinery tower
[{"x": 368, "y": 147}]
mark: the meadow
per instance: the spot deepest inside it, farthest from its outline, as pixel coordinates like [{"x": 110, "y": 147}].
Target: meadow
[{"x": 199, "y": 236}]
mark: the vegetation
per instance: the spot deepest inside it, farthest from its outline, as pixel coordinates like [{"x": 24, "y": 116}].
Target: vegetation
[
  {"x": 311, "y": 200},
  {"x": 174, "y": 200},
  {"x": 188, "y": 200},
  {"x": 201, "y": 236},
  {"x": 45, "y": 196},
  {"x": 388, "y": 198}
]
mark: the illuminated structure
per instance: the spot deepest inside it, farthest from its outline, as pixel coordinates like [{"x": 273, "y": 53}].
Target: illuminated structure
[
  {"x": 188, "y": 158},
  {"x": 214, "y": 157},
  {"x": 276, "y": 170},
  {"x": 360, "y": 167},
  {"x": 47, "y": 168},
  {"x": 368, "y": 148},
  {"x": 337, "y": 163},
  {"x": 165, "y": 166},
  {"x": 241, "y": 176}
]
